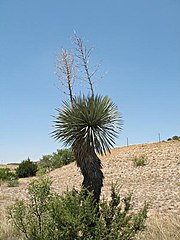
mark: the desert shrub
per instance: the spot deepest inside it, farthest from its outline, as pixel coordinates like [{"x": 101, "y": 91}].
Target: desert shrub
[
  {"x": 56, "y": 160},
  {"x": 62, "y": 157},
  {"x": 139, "y": 161},
  {"x": 41, "y": 170},
  {"x": 176, "y": 138},
  {"x": 31, "y": 218},
  {"x": 7, "y": 175},
  {"x": 26, "y": 168},
  {"x": 4, "y": 173},
  {"x": 74, "y": 215},
  {"x": 118, "y": 220},
  {"x": 45, "y": 163}
]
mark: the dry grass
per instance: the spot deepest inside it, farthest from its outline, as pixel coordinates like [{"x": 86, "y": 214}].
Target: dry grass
[
  {"x": 161, "y": 228},
  {"x": 7, "y": 231}
]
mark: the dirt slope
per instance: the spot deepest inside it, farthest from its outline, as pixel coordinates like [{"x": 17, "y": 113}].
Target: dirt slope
[{"x": 157, "y": 182}]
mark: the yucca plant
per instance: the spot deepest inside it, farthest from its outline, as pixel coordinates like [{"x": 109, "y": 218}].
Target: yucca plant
[{"x": 89, "y": 126}]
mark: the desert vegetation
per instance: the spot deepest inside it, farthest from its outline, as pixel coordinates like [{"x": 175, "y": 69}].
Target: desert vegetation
[
  {"x": 175, "y": 138},
  {"x": 156, "y": 183},
  {"x": 88, "y": 123},
  {"x": 55, "y": 160},
  {"x": 26, "y": 168},
  {"x": 8, "y": 177},
  {"x": 74, "y": 215},
  {"x": 139, "y": 161}
]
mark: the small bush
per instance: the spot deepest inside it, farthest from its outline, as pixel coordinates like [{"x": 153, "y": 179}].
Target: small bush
[
  {"x": 139, "y": 161},
  {"x": 176, "y": 138},
  {"x": 41, "y": 170},
  {"x": 6, "y": 174},
  {"x": 62, "y": 157},
  {"x": 26, "y": 169},
  {"x": 45, "y": 163},
  {"x": 56, "y": 160},
  {"x": 75, "y": 216}
]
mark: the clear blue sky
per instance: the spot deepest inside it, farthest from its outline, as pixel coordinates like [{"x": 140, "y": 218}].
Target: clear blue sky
[{"x": 136, "y": 42}]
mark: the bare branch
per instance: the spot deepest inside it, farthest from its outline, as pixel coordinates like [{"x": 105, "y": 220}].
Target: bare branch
[
  {"x": 83, "y": 54},
  {"x": 66, "y": 70},
  {"x": 71, "y": 66}
]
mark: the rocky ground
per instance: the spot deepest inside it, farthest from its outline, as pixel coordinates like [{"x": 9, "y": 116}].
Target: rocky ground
[{"x": 157, "y": 182}]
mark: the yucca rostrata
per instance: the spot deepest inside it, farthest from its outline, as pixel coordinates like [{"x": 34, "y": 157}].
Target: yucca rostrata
[{"x": 89, "y": 126}]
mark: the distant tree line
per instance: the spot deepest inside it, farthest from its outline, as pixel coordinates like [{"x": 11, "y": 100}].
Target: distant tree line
[{"x": 175, "y": 138}]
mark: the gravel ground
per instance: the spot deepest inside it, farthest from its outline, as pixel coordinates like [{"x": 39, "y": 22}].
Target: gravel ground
[{"x": 157, "y": 182}]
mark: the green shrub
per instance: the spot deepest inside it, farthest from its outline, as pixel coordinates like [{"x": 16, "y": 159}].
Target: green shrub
[
  {"x": 74, "y": 215},
  {"x": 6, "y": 174},
  {"x": 176, "y": 138},
  {"x": 62, "y": 157},
  {"x": 26, "y": 169},
  {"x": 45, "y": 163},
  {"x": 56, "y": 160},
  {"x": 139, "y": 161},
  {"x": 41, "y": 170}
]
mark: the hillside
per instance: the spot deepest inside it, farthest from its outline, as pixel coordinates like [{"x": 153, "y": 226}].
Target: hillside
[{"x": 157, "y": 182}]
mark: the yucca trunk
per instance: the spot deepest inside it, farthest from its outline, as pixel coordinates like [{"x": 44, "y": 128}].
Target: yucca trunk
[{"x": 90, "y": 166}]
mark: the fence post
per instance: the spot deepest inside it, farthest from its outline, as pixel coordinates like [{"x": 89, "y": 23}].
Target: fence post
[
  {"x": 127, "y": 142},
  {"x": 159, "y": 137}
]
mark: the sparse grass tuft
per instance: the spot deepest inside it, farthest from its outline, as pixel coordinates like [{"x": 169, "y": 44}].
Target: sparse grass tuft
[
  {"x": 139, "y": 161},
  {"x": 13, "y": 183}
]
